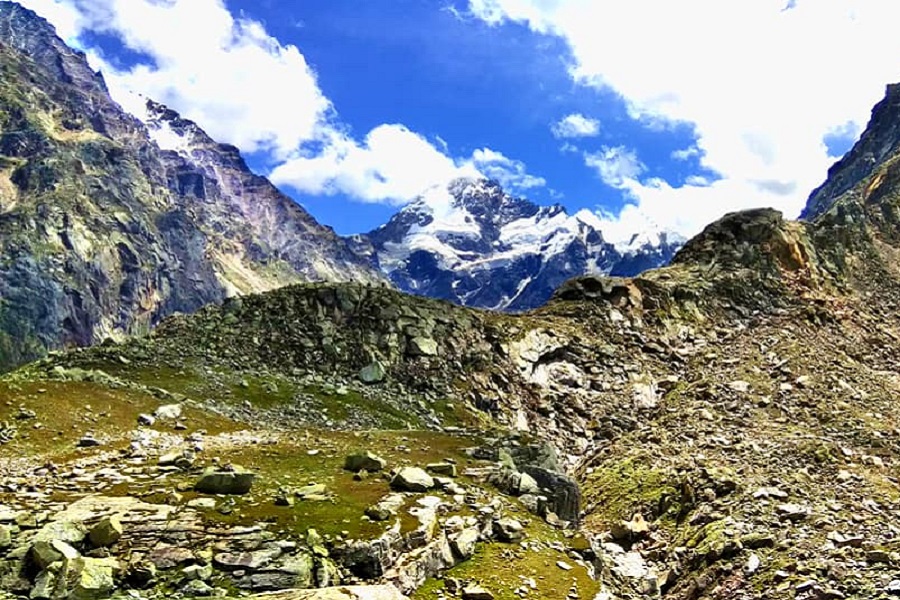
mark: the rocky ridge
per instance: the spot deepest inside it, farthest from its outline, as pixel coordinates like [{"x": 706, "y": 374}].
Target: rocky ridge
[{"x": 103, "y": 233}]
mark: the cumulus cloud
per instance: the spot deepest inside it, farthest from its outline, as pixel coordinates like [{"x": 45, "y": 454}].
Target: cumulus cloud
[
  {"x": 246, "y": 88},
  {"x": 576, "y": 126},
  {"x": 615, "y": 166},
  {"x": 761, "y": 82},
  {"x": 511, "y": 174},
  {"x": 392, "y": 165},
  {"x": 227, "y": 74}
]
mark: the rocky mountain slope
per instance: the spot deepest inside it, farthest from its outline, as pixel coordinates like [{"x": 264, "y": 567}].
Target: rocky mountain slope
[
  {"x": 476, "y": 245},
  {"x": 878, "y": 144},
  {"x": 103, "y": 232},
  {"x": 721, "y": 428}
]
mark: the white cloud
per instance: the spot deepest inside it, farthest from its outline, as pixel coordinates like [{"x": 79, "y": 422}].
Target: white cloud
[
  {"x": 761, "y": 85},
  {"x": 616, "y": 166},
  {"x": 511, "y": 174},
  {"x": 393, "y": 165},
  {"x": 226, "y": 73},
  {"x": 576, "y": 126},
  {"x": 246, "y": 88},
  {"x": 686, "y": 153}
]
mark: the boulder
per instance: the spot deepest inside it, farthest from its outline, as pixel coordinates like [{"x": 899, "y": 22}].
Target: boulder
[
  {"x": 234, "y": 481},
  {"x": 45, "y": 585},
  {"x": 443, "y": 468},
  {"x": 629, "y": 531},
  {"x": 311, "y": 490},
  {"x": 43, "y": 554},
  {"x": 364, "y": 461},
  {"x": 412, "y": 479},
  {"x": 106, "y": 533},
  {"x": 64, "y": 531},
  {"x": 386, "y": 508},
  {"x": 95, "y": 578},
  {"x": 422, "y": 346},
  {"x": 508, "y": 530},
  {"x": 463, "y": 545},
  {"x": 373, "y": 373},
  {"x": 168, "y": 412},
  {"x": 476, "y": 592},
  {"x": 564, "y": 495},
  {"x": 527, "y": 485}
]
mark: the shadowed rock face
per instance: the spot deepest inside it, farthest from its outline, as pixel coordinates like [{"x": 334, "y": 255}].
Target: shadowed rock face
[{"x": 102, "y": 233}]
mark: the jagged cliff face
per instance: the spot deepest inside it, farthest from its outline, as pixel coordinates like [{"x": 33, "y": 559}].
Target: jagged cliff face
[
  {"x": 102, "y": 232},
  {"x": 878, "y": 144},
  {"x": 476, "y": 245}
]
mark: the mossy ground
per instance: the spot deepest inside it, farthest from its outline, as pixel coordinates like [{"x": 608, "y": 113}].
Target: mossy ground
[
  {"x": 503, "y": 568},
  {"x": 66, "y": 411}
]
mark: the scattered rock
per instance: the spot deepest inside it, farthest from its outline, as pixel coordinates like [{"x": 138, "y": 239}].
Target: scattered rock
[
  {"x": 631, "y": 530},
  {"x": 168, "y": 412},
  {"x": 463, "y": 545},
  {"x": 444, "y": 468},
  {"x": 233, "y": 482},
  {"x": 88, "y": 441},
  {"x": 422, "y": 346},
  {"x": 146, "y": 420},
  {"x": 508, "y": 530},
  {"x": 106, "y": 533},
  {"x": 412, "y": 479},
  {"x": 373, "y": 372},
  {"x": 364, "y": 461},
  {"x": 476, "y": 592},
  {"x": 386, "y": 508}
]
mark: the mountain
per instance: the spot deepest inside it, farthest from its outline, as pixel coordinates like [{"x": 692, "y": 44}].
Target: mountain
[
  {"x": 476, "y": 245},
  {"x": 879, "y": 142},
  {"x": 724, "y": 427},
  {"x": 103, "y": 231}
]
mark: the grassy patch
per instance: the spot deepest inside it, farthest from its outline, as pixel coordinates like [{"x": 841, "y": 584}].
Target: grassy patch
[
  {"x": 65, "y": 411},
  {"x": 502, "y": 568},
  {"x": 618, "y": 491},
  {"x": 315, "y": 456}
]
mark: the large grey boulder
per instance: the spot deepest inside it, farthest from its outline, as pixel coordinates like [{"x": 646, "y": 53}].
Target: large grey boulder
[
  {"x": 233, "y": 482},
  {"x": 373, "y": 373},
  {"x": 562, "y": 491},
  {"x": 412, "y": 479},
  {"x": 364, "y": 461},
  {"x": 463, "y": 544},
  {"x": 95, "y": 578},
  {"x": 422, "y": 346}
]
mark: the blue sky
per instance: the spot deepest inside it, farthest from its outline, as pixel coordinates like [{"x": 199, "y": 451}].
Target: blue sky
[
  {"x": 355, "y": 107},
  {"x": 465, "y": 82}
]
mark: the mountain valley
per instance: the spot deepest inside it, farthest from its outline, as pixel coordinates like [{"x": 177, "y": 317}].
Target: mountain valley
[{"x": 215, "y": 396}]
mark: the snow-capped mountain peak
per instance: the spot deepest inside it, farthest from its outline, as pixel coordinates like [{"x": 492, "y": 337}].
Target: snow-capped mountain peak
[{"x": 475, "y": 244}]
